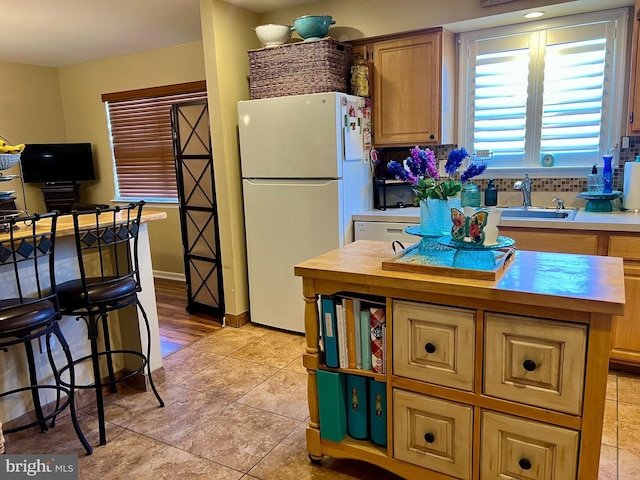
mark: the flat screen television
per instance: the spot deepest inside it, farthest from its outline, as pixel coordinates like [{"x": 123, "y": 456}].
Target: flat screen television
[{"x": 57, "y": 163}]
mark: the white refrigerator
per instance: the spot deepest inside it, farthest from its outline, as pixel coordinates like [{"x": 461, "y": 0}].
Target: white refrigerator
[{"x": 303, "y": 177}]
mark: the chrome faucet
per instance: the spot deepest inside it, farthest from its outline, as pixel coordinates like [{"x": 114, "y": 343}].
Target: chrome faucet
[
  {"x": 559, "y": 203},
  {"x": 525, "y": 187}
]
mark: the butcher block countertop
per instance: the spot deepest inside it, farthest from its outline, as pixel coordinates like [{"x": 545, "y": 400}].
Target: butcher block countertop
[
  {"x": 584, "y": 283},
  {"x": 64, "y": 227}
]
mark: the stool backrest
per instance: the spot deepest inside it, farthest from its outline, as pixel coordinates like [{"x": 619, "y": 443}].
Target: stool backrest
[
  {"x": 26, "y": 260},
  {"x": 107, "y": 246}
]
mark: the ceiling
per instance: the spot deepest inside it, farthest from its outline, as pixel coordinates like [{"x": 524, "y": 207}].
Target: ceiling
[{"x": 56, "y": 33}]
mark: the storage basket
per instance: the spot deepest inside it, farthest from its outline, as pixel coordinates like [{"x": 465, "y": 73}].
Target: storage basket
[
  {"x": 299, "y": 68},
  {"x": 8, "y": 160}
]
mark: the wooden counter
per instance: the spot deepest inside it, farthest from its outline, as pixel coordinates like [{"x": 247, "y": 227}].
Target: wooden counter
[{"x": 520, "y": 364}]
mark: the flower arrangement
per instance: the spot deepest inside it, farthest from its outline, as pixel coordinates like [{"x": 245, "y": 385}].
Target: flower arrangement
[{"x": 421, "y": 171}]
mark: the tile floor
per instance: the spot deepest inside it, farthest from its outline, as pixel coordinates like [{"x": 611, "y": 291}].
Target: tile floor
[{"x": 236, "y": 409}]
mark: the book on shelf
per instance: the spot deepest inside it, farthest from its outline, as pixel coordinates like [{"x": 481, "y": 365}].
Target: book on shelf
[
  {"x": 356, "y": 323},
  {"x": 342, "y": 334},
  {"x": 365, "y": 339},
  {"x": 329, "y": 333},
  {"x": 332, "y": 405},
  {"x": 348, "y": 305},
  {"x": 378, "y": 330},
  {"x": 357, "y": 407},
  {"x": 378, "y": 412}
]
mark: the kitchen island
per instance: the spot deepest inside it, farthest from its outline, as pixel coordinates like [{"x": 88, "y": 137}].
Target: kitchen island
[
  {"x": 483, "y": 378},
  {"x": 130, "y": 334}
]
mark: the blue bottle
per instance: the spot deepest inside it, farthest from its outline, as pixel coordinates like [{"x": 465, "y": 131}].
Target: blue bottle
[{"x": 607, "y": 174}]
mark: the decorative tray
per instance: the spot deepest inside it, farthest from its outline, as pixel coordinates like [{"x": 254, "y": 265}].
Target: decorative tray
[
  {"x": 501, "y": 242},
  {"x": 430, "y": 257},
  {"x": 599, "y": 195}
]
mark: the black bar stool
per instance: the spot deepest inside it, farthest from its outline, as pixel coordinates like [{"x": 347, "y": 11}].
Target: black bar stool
[
  {"x": 107, "y": 250},
  {"x": 29, "y": 311}
]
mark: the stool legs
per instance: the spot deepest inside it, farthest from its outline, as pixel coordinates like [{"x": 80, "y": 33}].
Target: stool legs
[
  {"x": 33, "y": 378},
  {"x": 146, "y": 323},
  {"x": 92, "y": 327}
]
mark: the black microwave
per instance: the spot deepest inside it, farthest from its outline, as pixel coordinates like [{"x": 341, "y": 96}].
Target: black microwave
[{"x": 392, "y": 194}]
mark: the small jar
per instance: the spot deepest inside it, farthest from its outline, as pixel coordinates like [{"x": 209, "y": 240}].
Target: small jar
[
  {"x": 470, "y": 196},
  {"x": 491, "y": 194}
]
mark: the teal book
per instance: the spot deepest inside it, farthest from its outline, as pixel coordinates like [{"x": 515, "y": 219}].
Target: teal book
[
  {"x": 365, "y": 340},
  {"x": 357, "y": 416},
  {"x": 378, "y": 412},
  {"x": 329, "y": 332},
  {"x": 332, "y": 405}
]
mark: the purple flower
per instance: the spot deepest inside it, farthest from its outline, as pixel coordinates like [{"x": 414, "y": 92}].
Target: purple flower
[
  {"x": 455, "y": 159},
  {"x": 473, "y": 171}
]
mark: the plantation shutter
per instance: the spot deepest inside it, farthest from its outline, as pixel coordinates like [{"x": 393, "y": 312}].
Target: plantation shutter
[
  {"x": 539, "y": 92},
  {"x": 141, "y": 139}
]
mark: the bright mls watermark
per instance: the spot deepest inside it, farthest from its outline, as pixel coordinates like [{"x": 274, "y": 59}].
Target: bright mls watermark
[{"x": 51, "y": 467}]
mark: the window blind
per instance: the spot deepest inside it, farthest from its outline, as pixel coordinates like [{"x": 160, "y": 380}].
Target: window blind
[{"x": 141, "y": 139}]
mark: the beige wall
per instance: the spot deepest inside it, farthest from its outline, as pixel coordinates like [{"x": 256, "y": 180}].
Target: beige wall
[
  {"x": 227, "y": 35},
  {"x": 30, "y": 112},
  {"x": 81, "y": 87}
]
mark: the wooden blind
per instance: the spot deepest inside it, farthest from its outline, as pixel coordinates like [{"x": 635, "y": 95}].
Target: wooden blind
[{"x": 140, "y": 126}]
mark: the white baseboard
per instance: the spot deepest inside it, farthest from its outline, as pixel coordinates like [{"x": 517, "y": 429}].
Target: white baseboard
[{"x": 170, "y": 275}]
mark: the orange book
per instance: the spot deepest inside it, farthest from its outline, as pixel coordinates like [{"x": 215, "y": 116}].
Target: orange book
[{"x": 351, "y": 332}]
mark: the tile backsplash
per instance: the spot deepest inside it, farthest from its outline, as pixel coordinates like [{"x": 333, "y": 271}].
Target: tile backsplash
[{"x": 565, "y": 184}]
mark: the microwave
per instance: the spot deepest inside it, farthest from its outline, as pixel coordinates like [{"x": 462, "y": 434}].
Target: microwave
[{"x": 392, "y": 194}]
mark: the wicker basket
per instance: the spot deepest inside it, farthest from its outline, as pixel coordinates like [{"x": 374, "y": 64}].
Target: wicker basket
[
  {"x": 8, "y": 160},
  {"x": 299, "y": 68}
]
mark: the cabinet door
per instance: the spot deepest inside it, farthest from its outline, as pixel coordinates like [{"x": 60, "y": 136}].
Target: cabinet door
[
  {"x": 407, "y": 93},
  {"x": 633, "y": 125},
  {"x": 559, "y": 242}
]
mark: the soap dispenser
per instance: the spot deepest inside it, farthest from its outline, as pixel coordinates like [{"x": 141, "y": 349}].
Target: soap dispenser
[
  {"x": 594, "y": 181},
  {"x": 491, "y": 194}
]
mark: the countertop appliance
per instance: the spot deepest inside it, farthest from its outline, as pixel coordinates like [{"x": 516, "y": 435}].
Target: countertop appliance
[{"x": 303, "y": 177}]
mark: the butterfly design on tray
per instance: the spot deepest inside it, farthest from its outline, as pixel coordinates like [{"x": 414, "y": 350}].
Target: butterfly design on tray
[{"x": 468, "y": 229}]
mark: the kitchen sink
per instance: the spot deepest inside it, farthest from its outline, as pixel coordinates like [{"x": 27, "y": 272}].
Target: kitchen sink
[{"x": 539, "y": 213}]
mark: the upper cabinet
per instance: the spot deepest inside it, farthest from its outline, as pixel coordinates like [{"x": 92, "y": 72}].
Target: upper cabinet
[
  {"x": 412, "y": 87},
  {"x": 633, "y": 123}
]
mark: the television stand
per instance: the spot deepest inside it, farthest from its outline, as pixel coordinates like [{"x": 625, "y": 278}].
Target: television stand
[{"x": 61, "y": 196}]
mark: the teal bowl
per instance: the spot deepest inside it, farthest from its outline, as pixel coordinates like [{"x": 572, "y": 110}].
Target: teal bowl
[{"x": 312, "y": 27}]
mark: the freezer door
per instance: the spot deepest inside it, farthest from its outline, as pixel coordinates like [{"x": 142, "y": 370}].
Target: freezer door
[
  {"x": 286, "y": 223},
  {"x": 299, "y": 136}
]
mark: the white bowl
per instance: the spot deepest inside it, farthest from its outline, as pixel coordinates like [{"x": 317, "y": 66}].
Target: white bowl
[{"x": 271, "y": 35}]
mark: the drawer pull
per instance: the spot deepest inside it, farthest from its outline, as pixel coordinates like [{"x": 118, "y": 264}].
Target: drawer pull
[
  {"x": 529, "y": 365},
  {"x": 430, "y": 347},
  {"x": 429, "y": 437},
  {"x": 524, "y": 464}
]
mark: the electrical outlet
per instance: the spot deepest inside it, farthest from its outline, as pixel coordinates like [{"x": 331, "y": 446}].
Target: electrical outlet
[{"x": 625, "y": 142}]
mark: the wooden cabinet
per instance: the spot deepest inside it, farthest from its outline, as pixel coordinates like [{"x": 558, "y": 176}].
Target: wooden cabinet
[
  {"x": 484, "y": 380},
  {"x": 412, "y": 80},
  {"x": 633, "y": 124}
]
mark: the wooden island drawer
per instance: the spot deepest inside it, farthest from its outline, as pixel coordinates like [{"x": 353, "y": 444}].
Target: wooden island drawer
[
  {"x": 434, "y": 344},
  {"x": 515, "y": 448},
  {"x": 536, "y": 362},
  {"x": 624, "y": 246},
  {"x": 432, "y": 433}
]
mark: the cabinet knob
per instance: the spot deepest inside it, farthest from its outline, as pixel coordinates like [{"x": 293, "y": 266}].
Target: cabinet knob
[
  {"x": 430, "y": 347},
  {"x": 524, "y": 464},
  {"x": 429, "y": 437},
  {"x": 529, "y": 365},
  {"x": 432, "y": 137}
]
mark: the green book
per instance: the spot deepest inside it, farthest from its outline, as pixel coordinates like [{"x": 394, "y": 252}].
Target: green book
[
  {"x": 332, "y": 405},
  {"x": 365, "y": 340}
]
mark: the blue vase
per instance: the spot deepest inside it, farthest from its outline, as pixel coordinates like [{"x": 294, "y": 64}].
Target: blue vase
[
  {"x": 435, "y": 216},
  {"x": 607, "y": 174}
]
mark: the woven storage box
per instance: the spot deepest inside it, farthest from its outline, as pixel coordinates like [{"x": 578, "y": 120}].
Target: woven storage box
[{"x": 299, "y": 68}]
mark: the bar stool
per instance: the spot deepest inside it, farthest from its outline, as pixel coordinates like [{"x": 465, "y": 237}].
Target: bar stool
[
  {"x": 107, "y": 251},
  {"x": 30, "y": 311}
]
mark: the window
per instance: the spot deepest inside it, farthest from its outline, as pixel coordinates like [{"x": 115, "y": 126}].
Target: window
[
  {"x": 552, "y": 87},
  {"x": 141, "y": 139}
]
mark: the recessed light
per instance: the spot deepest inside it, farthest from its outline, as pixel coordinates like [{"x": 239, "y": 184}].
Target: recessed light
[{"x": 533, "y": 14}]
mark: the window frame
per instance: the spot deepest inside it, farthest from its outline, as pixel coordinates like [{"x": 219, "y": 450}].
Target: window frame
[
  {"x": 188, "y": 89},
  {"x": 617, "y": 104}
]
